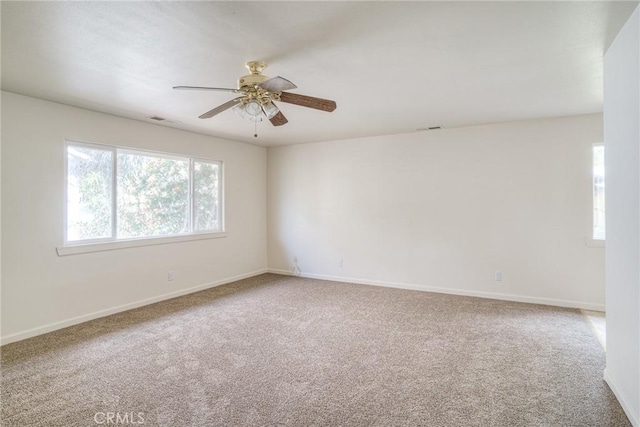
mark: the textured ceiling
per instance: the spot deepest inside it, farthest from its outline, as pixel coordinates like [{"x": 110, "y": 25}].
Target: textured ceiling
[{"x": 391, "y": 67}]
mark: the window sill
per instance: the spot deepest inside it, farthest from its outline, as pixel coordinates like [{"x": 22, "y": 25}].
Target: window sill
[
  {"x": 124, "y": 244},
  {"x": 593, "y": 243}
]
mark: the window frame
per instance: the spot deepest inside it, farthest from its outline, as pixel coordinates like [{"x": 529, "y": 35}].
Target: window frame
[{"x": 113, "y": 242}]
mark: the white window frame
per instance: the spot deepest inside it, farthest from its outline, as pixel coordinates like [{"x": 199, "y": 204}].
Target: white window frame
[{"x": 112, "y": 242}]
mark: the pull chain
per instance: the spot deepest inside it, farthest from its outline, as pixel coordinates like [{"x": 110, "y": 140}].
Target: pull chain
[{"x": 255, "y": 129}]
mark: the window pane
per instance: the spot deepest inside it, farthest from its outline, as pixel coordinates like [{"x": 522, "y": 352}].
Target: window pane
[
  {"x": 598, "y": 193},
  {"x": 153, "y": 196},
  {"x": 206, "y": 197},
  {"x": 89, "y": 190}
]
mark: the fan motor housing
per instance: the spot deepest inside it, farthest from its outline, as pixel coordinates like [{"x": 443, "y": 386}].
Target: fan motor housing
[{"x": 250, "y": 80}]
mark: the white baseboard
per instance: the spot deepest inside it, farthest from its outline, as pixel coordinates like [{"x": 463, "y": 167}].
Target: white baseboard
[
  {"x": 102, "y": 313},
  {"x": 451, "y": 291},
  {"x": 625, "y": 405}
]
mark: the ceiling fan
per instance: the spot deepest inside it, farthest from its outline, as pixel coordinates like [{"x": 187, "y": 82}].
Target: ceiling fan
[{"x": 258, "y": 95}]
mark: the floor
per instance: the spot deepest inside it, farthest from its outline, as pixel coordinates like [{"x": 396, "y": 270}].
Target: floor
[
  {"x": 598, "y": 322},
  {"x": 286, "y": 351}
]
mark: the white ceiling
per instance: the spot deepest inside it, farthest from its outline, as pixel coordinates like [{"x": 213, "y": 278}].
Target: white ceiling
[{"x": 391, "y": 67}]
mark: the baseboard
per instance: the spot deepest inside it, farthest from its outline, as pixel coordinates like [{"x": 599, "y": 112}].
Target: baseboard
[
  {"x": 633, "y": 418},
  {"x": 102, "y": 313},
  {"x": 451, "y": 291}
]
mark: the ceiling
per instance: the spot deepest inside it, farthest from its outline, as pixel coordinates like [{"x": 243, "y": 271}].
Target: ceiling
[{"x": 392, "y": 67}]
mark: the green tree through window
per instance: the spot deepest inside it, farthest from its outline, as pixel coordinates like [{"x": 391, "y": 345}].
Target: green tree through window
[
  {"x": 206, "y": 179},
  {"x": 598, "y": 193},
  {"x": 89, "y": 193},
  {"x": 153, "y": 196}
]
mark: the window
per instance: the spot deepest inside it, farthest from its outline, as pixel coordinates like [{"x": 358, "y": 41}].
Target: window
[
  {"x": 598, "y": 193},
  {"x": 119, "y": 194}
]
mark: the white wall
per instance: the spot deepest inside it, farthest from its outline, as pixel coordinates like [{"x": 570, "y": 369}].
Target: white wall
[
  {"x": 622, "y": 164},
  {"x": 0, "y": 218},
  {"x": 444, "y": 209},
  {"x": 41, "y": 291}
]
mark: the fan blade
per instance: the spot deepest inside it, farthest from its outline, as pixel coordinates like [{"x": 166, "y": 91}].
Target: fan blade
[
  {"x": 277, "y": 84},
  {"x": 279, "y": 119},
  {"x": 224, "y": 89},
  {"x": 308, "y": 101},
  {"x": 220, "y": 108}
]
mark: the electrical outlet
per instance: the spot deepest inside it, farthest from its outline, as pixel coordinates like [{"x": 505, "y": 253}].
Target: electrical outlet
[
  {"x": 341, "y": 263},
  {"x": 498, "y": 276},
  {"x": 170, "y": 276},
  {"x": 295, "y": 259}
]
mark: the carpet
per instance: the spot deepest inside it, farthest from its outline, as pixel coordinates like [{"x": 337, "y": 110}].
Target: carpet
[{"x": 287, "y": 351}]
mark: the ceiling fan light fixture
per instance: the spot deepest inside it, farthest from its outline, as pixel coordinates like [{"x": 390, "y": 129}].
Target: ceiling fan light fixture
[
  {"x": 253, "y": 108},
  {"x": 270, "y": 110},
  {"x": 239, "y": 110}
]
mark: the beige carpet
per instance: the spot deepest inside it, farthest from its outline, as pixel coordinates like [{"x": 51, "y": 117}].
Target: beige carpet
[{"x": 275, "y": 350}]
